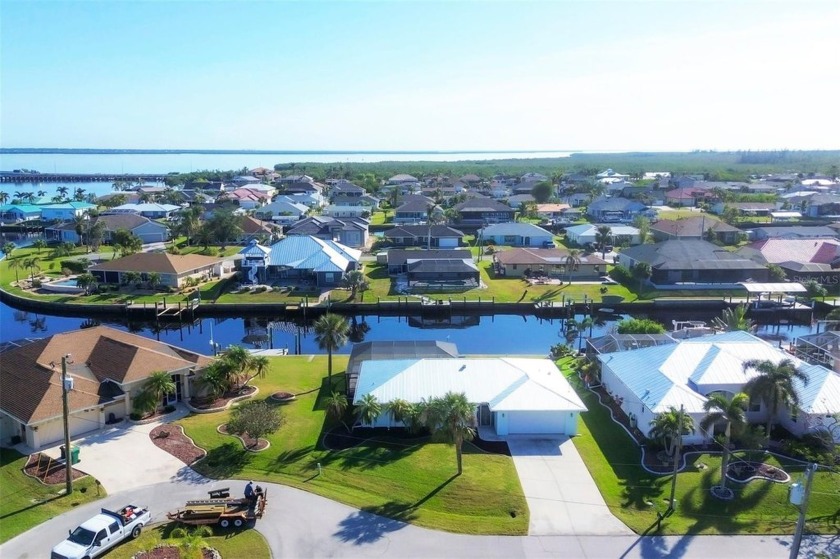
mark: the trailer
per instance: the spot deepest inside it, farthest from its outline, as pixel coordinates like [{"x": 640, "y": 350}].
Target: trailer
[{"x": 223, "y": 512}]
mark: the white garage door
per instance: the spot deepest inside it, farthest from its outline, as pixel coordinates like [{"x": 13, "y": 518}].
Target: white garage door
[
  {"x": 82, "y": 422},
  {"x": 537, "y": 422}
]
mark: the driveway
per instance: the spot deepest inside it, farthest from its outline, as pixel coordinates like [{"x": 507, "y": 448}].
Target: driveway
[
  {"x": 561, "y": 494},
  {"x": 123, "y": 457}
]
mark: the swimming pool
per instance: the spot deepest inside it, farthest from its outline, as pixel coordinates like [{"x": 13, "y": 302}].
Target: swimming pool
[{"x": 65, "y": 285}]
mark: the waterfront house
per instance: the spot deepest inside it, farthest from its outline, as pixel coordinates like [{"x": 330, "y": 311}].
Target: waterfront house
[
  {"x": 398, "y": 259},
  {"x": 173, "y": 269},
  {"x": 685, "y": 197},
  {"x": 750, "y": 209},
  {"x": 388, "y": 350},
  {"x": 518, "y": 234},
  {"x": 15, "y": 213},
  {"x": 794, "y": 232},
  {"x": 150, "y": 210},
  {"x": 697, "y": 227},
  {"x": 549, "y": 262},
  {"x": 648, "y": 381},
  {"x": 614, "y": 209},
  {"x": 65, "y": 211},
  {"x": 802, "y": 260},
  {"x": 147, "y": 230},
  {"x": 585, "y": 234},
  {"x": 304, "y": 258},
  {"x": 334, "y": 210},
  {"x": 511, "y": 396},
  {"x": 693, "y": 263},
  {"x": 282, "y": 212},
  {"x": 347, "y": 189},
  {"x": 349, "y": 231},
  {"x": 482, "y": 211},
  {"x": 107, "y": 369},
  {"x": 435, "y": 236}
]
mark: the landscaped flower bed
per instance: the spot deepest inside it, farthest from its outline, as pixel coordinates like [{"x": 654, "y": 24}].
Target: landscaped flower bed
[
  {"x": 172, "y": 439},
  {"x": 742, "y": 472}
]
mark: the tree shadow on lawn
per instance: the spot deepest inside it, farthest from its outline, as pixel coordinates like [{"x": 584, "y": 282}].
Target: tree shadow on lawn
[
  {"x": 371, "y": 453},
  {"x": 224, "y": 461},
  {"x": 338, "y": 384}
]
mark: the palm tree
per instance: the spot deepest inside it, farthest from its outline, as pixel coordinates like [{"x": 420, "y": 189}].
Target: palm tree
[
  {"x": 368, "y": 410},
  {"x": 86, "y": 281},
  {"x": 734, "y": 319},
  {"x": 451, "y": 419},
  {"x": 602, "y": 238},
  {"x": 215, "y": 380},
  {"x": 331, "y": 332},
  {"x": 774, "y": 386},
  {"x": 40, "y": 244},
  {"x": 259, "y": 364},
  {"x": 400, "y": 410},
  {"x": 158, "y": 385},
  {"x": 79, "y": 194},
  {"x": 572, "y": 262},
  {"x": 336, "y": 405},
  {"x": 239, "y": 360},
  {"x": 4, "y": 197},
  {"x": 130, "y": 278},
  {"x": 191, "y": 543},
  {"x": 665, "y": 427},
  {"x": 16, "y": 264},
  {"x": 642, "y": 271},
  {"x": 31, "y": 264},
  {"x": 355, "y": 280},
  {"x": 732, "y": 413},
  {"x": 62, "y": 191},
  {"x": 8, "y": 248},
  {"x": 154, "y": 279}
]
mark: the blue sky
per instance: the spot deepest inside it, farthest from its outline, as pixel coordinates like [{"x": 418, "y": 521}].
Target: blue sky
[{"x": 551, "y": 75}]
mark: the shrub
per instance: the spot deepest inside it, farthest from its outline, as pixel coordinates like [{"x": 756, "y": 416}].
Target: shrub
[
  {"x": 134, "y": 416},
  {"x": 74, "y": 266},
  {"x": 621, "y": 274},
  {"x": 260, "y": 289},
  {"x": 66, "y": 272},
  {"x": 169, "y": 408},
  {"x": 36, "y": 283}
]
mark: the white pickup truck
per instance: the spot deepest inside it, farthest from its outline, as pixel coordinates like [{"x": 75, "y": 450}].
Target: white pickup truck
[{"x": 102, "y": 532}]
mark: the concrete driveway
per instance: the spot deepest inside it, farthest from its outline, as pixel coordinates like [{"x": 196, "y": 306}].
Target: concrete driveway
[
  {"x": 561, "y": 494},
  {"x": 123, "y": 457}
]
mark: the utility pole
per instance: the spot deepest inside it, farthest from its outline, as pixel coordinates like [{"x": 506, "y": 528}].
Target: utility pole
[
  {"x": 803, "y": 508},
  {"x": 671, "y": 503},
  {"x": 68, "y": 458}
]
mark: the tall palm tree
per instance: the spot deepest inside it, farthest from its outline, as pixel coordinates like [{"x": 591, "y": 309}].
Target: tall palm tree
[
  {"x": 4, "y": 197},
  {"x": 732, "y": 413},
  {"x": 62, "y": 191},
  {"x": 8, "y": 248},
  {"x": 331, "y": 331},
  {"x": 451, "y": 419},
  {"x": 239, "y": 360},
  {"x": 39, "y": 245},
  {"x": 734, "y": 319},
  {"x": 368, "y": 410},
  {"x": 259, "y": 364},
  {"x": 31, "y": 264},
  {"x": 602, "y": 238},
  {"x": 774, "y": 386},
  {"x": 79, "y": 194},
  {"x": 642, "y": 271},
  {"x": 572, "y": 261},
  {"x": 16, "y": 264},
  {"x": 665, "y": 427},
  {"x": 158, "y": 385}
]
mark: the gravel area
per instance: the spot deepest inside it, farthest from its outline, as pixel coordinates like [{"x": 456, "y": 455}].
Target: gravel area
[{"x": 172, "y": 439}]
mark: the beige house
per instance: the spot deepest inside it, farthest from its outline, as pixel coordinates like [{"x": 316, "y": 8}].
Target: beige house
[
  {"x": 173, "y": 269},
  {"x": 549, "y": 262},
  {"x": 107, "y": 368}
]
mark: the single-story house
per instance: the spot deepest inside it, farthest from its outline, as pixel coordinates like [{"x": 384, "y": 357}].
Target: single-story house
[
  {"x": 440, "y": 272},
  {"x": 398, "y": 259},
  {"x": 794, "y": 232},
  {"x": 697, "y": 227},
  {"x": 306, "y": 258},
  {"x": 551, "y": 262},
  {"x": 693, "y": 262},
  {"x": 349, "y": 231},
  {"x": 282, "y": 211},
  {"x": 585, "y": 233},
  {"x": 552, "y": 211},
  {"x": 517, "y": 200},
  {"x": 651, "y": 380},
  {"x": 403, "y": 179},
  {"x": 13, "y": 213},
  {"x": 614, "y": 209},
  {"x": 334, "y": 210},
  {"x": 516, "y": 234},
  {"x": 755, "y": 209},
  {"x": 65, "y": 211},
  {"x": 106, "y": 368},
  {"x": 150, "y": 210},
  {"x": 481, "y": 211},
  {"x": 384, "y": 349},
  {"x": 174, "y": 269},
  {"x": 147, "y": 230},
  {"x": 801, "y": 259},
  {"x": 511, "y": 396},
  {"x": 438, "y": 236}
]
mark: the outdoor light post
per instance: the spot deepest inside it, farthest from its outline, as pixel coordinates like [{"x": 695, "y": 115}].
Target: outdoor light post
[{"x": 68, "y": 461}]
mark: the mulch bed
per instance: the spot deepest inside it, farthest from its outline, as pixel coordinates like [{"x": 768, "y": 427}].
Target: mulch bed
[
  {"x": 37, "y": 465},
  {"x": 249, "y": 442},
  {"x": 743, "y": 471},
  {"x": 492, "y": 447},
  {"x": 172, "y": 439},
  {"x": 221, "y": 401},
  {"x": 282, "y": 396}
]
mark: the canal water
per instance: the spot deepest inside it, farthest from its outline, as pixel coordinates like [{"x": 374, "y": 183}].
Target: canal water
[{"x": 492, "y": 335}]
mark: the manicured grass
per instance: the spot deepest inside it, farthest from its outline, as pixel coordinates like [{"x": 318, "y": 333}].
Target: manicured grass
[
  {"x": 407, "y": 479},
  {"x": 760, "y": 507},
  {"x": 229, "y": 543},
  {"x": 25, "y": 502}
]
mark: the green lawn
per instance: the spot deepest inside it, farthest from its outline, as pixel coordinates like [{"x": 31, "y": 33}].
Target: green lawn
[
  {"x": 25, "y": 502},
  {"x": 759, "y": 507},
  {"x": 411, "y": 480},
  {"x": 230, "y": 543}
]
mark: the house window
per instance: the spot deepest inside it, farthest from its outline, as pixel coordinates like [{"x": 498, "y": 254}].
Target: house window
[
  {"x": 755, "y": 406},
  {"x": 794, "y": 415}
]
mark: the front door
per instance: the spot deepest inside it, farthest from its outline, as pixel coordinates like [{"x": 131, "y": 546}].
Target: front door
[
  {"x": 174, "y": 397},
  {"x": 485, "y": 418}
]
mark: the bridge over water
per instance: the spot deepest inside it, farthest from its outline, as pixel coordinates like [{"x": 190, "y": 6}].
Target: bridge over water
[{"x": 13, "y": 177}]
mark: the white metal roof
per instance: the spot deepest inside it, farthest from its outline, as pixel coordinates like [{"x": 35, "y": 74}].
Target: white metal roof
[
  {"x": 506, "y": 384},
  {"x": 754, "y": 287},
  {"x": 673, "y": 375}
]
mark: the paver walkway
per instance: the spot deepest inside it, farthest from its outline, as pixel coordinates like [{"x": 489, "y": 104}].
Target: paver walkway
[{"x": 561, "y": 494}]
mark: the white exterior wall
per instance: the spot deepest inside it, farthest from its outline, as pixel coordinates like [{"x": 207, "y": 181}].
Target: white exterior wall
[
  {"x": 8, "y": 428},
  {"x": 537, "y": 422}
]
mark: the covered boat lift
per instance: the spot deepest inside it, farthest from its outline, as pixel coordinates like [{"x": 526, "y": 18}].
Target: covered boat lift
[{"x": 780, "y": 289}]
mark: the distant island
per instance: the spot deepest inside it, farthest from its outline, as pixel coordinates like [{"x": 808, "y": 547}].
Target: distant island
[{"x": 95, "y": 151}]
